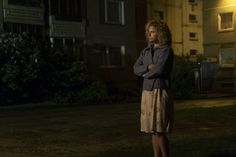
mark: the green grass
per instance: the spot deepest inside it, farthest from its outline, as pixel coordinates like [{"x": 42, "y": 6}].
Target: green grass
[{"x": 113, "y": 131}]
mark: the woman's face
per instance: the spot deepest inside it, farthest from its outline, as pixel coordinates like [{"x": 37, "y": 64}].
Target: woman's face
[{"x": 152, "y": 35}]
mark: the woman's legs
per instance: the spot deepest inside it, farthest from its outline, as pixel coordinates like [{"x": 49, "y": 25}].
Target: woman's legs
[
  {"x": 155, "y": 145},
  {"x": 160, "y": 145}
]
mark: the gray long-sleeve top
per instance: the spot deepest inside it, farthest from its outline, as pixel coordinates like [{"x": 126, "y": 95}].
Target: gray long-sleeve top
[{"x": 159, "y": 76}]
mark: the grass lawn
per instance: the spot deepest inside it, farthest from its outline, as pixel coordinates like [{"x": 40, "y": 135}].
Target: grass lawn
[{"x": 203, "y": 128}]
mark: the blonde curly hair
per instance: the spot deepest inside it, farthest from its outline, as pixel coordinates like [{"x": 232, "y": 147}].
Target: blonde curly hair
[{"x": 163, "y": 32}]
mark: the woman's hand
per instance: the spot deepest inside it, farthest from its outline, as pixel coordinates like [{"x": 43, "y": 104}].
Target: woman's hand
[{"x": 150, "y": 66}]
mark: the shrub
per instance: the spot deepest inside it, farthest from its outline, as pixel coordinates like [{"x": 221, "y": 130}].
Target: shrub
[
  {"x": 21, "y": 63},
  {"x": 96, "y": 92},
  {"x": 70, "y": 82},
  {"x": 30, "y": 70},
  {"x": 182, "y": 77}
]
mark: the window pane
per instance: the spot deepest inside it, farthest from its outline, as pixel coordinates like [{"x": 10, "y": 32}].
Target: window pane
[
  {"x": 69, "y": 45},
  {"x": 58, "y": 43},
  {"x": 193, "y": 52},
  {"x": 191, "y": 1},
  {"x": 114, "y": 11},
  {"x": 54, "y": 7},
  {"x": 226, "y": 20},
  {"x": 33, "y": 3},
  {"x": 192, "y": 35},
  {"x": 63, "y": 8},
  {"x": 227, "y": 57},
  {"x": 115, "y": 56},
  {"x": 192, "y": 18},
  {"x": 68, "y": 10}
]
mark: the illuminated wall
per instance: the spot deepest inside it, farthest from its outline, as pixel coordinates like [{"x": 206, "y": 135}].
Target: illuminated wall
[
  {"x": 220, "y": 39},
  {"x": 176, "y": 13}
]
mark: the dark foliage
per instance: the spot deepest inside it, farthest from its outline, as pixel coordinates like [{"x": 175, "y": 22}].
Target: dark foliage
[
  {"x": 182, "y": 77},
  {"x": 30, "y": 70}
]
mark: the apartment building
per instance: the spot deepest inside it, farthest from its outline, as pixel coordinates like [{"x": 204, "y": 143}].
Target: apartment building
[
  {"x": 184, "y": 18},
  {"x": 219, "y": 40},
  {"x": 20, "y": 16},
  {"x": 111, "y": 41},
  {"x": 104, "y": 34},
  {"x": 203, "y": 28}
]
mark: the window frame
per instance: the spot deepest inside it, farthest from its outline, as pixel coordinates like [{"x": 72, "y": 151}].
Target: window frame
[
  {"x": 222, "y": 55},
  {"x": 121, "y": 7},
  {"x": 193, "y": 50},
  {"x": 193, "y": 38},
  {"x": 106, "y": 60},
  {"x": 191, "y": 20},
  {"x": 220, "y": 29},
  {"x": 192, "y": 1},
  {"x": 66, "y": 14},
  {"x": 27, "y": 4}
]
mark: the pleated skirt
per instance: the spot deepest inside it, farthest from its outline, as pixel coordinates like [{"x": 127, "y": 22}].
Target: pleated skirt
[{"x": 156, "y": 111}]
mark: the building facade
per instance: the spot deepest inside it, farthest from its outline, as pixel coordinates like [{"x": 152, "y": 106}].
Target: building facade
[
  {"x": 219, "y": 40},
  {"x": 104, "y": 34},
  {"x": 203, "y": 28},
  {"x": 108, "y": 35},
  {"x": 184, "y": 18},
  {"x": 111, "y": 41},
  {"x": 20, "y": 16}
]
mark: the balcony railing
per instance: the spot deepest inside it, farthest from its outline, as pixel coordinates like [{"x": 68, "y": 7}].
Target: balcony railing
[
  {"x": 23, "y": 14},
  {"x": 60, "y": 28}
]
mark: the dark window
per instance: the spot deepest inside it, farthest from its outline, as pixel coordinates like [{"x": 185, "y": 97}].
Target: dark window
[
  {"x": 192, "y": 1},
  {"x": 58, "y": 43},
  {"x": 193, "y": 36},
  {"x": 193, "y": 52},
  {"x": 227, "y": 85},
  {"x": 113, "y": 56},
  {"x": 32, "y": 3},
  {"x": 112, "y": 11},
  {"x": 192, "y": 18},
  {"x": 68, "y": 10}
]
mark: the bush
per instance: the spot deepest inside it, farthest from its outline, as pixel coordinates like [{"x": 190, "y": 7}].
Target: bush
[
  {"x": 30, "y": 70},
  {"x": 96, "y": 92},
  {"x": 182, "y": 77},
  {"x": 21, "y": 64}
]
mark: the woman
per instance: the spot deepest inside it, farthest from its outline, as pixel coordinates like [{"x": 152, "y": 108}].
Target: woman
[{"x": 154, "y": 65}]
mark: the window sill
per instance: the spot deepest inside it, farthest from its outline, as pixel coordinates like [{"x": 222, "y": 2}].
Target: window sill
[
  {"x": 226, "y": 30},
  {"x": 193, "y": 39}
]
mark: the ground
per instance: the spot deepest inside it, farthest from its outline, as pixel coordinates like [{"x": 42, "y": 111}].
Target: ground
[{"x": 203, "y": 128}]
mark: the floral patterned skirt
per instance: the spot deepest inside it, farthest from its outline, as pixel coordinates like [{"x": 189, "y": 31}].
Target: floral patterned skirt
[{"x": 156, "y": 111}]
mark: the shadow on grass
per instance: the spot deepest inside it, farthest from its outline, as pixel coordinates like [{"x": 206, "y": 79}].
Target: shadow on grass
[
  {"x": 188, "y": 147},
  {"x": 127, "y": 151},
  {"x": 224, "y": 155}
]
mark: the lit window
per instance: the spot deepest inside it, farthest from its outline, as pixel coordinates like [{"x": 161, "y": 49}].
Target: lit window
[
  {"x": 193, "y": 36},
  {"x": 113, "y": 12},
  {"x": 192, "y": 18},
  {"x": 225, "y": 21}
]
